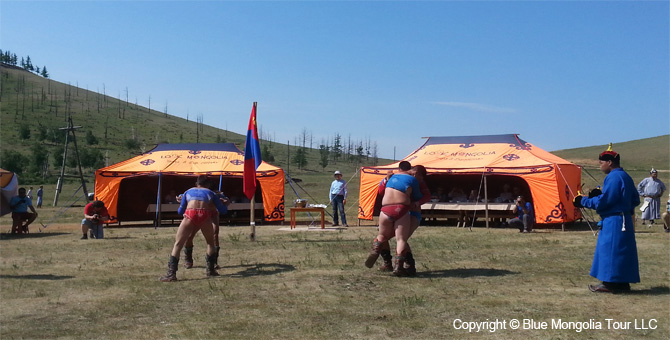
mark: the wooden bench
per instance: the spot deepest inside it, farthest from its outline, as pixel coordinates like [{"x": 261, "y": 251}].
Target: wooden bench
[
  {"x": 169, "y": 211},
  {"x": 466, "y": 210}
]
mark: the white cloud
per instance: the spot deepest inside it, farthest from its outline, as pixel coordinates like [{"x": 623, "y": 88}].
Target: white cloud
[{"x": 477, "y": 107}]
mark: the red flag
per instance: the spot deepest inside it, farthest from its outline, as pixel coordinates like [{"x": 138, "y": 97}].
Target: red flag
[{"x": 252, "y": 156}]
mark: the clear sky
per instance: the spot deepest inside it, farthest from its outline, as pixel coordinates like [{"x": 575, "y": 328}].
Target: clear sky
[{"x": 560, "y": 74}]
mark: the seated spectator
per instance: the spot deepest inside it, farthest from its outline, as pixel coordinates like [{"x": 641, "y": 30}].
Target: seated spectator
[
  {"x": 171, "y": 197},
  {"x": 439, "y": 195},
  {"x": 474, "y": 196},
  {"x": 457, "y": 195},
  {"x": 19, "y": 205},
  {"x": 95, "y": 214},
  {"x": 525, "y": 218},
  {"x": 506, "y": 196}
]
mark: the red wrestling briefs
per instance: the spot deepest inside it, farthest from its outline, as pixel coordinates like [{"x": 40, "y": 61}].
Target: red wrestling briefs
[
  {"x": 395, "y": 211},
  {"x": 197, "y": 215}
]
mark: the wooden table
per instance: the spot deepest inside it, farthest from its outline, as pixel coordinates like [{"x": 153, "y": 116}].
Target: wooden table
[
  {"x": 459, "y": 210},
  {"x": 320, "y": 210}
]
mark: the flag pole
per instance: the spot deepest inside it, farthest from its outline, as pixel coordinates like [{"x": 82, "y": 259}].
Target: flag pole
[
  {"x": 252, "y": 222},
  {"x": 252, "y": 219}
]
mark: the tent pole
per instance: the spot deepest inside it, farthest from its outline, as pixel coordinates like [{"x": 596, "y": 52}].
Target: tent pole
[
  {"x": 252, "y": 220},
  {"x": 486, "y": 200},
  {"x": 158, "y": 203}
]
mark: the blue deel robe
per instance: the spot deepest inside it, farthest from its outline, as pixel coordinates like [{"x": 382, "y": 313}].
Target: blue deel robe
[{"x": 615, "y": 259}]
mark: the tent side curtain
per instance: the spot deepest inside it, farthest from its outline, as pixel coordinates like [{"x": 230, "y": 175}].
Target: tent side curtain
[
  {"x": 107, "y": 190},
  {"x": 368, "y": 192},
  {"x": 272, "y": 188}
]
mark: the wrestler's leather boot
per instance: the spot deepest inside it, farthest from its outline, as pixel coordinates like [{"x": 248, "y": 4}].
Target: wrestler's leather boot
[
  {"x": 211, "y": 260},
  {"x": 171, "y": 275},
  {"x": 188, "y": 257},
  {"x": 388, "y": 260},
  {"x": 385, "y": 253},
  {"x": 374, "y": 253},
  {"x": 410, "y": 264},
  {"x": 216, "y": 258},
  {"x": 399, "y": 264}
]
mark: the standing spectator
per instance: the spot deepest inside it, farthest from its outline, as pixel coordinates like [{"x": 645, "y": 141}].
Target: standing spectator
[
  {"x": 30, "y": 193},
  {"x": 20, "y": 205},
  {"x": 40, "y": 193},
  {"x": 95, "y": 214},
  {"x": 615, "y": 260},
  {"x": 525, "y": 218},
  {"x": 338, "y": 197},
  {"x": 651, "y": 189}
]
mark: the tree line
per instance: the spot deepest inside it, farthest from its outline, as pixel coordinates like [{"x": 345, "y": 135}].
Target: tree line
[
  {"x": 331, "y": 150},
  {"x": 10, "y": 58}
]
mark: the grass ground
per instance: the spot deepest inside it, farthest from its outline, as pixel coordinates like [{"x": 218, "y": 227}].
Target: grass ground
[{"x": 311, "y": 284}]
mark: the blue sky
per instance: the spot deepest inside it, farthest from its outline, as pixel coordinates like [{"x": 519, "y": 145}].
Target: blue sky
[{"x": 560, "y": 74}]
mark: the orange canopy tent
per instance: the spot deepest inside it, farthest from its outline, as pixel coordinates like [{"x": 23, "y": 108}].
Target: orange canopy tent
[
  {"x": 129, "y": 187},
  {"x": 549, "y": 181}
]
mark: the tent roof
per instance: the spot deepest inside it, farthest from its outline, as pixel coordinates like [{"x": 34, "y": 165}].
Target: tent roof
[
  {"x": 491, "y": 153},
  {"x": 200, "y": 158}
]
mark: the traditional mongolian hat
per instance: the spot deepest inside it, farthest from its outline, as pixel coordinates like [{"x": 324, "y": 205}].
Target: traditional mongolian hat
[
  {"x": 653, "y": 171},
  {"x": 609, "y": 154}
]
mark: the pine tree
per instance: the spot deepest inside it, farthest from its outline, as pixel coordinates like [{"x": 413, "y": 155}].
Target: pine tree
[
  {"x": 45, "y": 74},
  {"x": 29, "y": 64},
  {"x": 325, "y": 154},
  {"x": 336, "y": 149},
  {"x": 300, "y": 158}
]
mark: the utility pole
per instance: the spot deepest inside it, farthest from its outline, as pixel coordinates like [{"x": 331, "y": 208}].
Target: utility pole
[{"x": 59, "y": 187}]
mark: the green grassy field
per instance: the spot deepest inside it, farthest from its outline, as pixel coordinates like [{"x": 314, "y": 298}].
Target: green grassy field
[{"x": 312, "y": 285}]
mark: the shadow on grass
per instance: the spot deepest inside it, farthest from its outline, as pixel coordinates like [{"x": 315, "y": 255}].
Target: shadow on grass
[
  {"x": 251, "y": 270},
  {"x": 465, "y": 272},
  {"x": 37, "y": 277},
  {"x": 260, "y": 269},
  {"x": 658, "y": 290},
  {"x": 323, "y": 241},
  {"x": 9, "y": 236}
]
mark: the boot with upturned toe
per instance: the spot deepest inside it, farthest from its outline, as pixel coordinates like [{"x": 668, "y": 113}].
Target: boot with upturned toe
[
  {"x": 171, "y": 275},
  {"x": 188, "y": 257}
]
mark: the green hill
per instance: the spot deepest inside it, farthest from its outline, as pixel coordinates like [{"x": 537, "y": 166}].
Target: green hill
[
  {"x": 33, "y": 109},
  {"x": 641, "y": 154}
]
